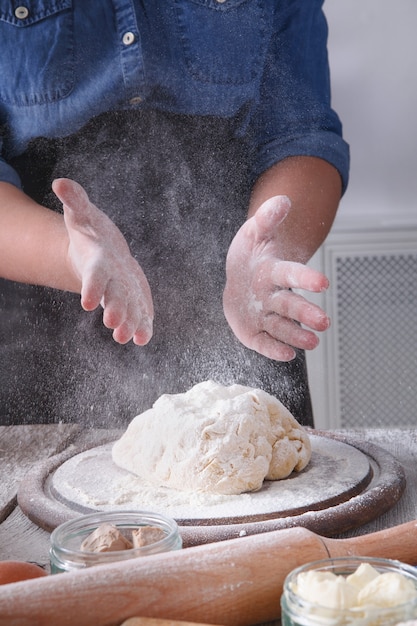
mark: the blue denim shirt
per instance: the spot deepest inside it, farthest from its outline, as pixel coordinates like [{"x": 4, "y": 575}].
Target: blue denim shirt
[{"x": 260, "y": 62}]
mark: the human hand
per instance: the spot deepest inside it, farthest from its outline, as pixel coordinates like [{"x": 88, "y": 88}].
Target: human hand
[
  {"x": 258, "y": 304},
  {"x": 101, "y": 259}
]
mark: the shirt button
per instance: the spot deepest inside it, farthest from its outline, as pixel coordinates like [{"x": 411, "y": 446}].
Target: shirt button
[
  {"x": 135, "y": 100},
  {"x": 221, "y": 1},
  {"x": 128, "y": 38},
  {"x": 21, "y": 13}
]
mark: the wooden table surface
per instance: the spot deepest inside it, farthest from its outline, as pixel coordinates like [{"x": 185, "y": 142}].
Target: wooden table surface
[{"x": 22, "y": 446}]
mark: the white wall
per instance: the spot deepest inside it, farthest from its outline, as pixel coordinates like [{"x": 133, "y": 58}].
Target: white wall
[{"x": 373, "y": 58}]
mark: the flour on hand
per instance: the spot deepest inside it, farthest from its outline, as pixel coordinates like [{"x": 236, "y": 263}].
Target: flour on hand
[{"x": 215, "y": 439}]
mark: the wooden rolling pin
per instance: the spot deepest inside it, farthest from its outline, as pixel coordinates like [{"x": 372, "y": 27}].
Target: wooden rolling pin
[
  {"x": 155, "y": 621},
  {"x": 238, "y": 581}
]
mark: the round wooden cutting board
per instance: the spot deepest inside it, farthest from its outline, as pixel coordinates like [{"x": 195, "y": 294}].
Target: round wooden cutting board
[
  {"x": 90, "y": 481},
  {"x": 346, "y": 484}
]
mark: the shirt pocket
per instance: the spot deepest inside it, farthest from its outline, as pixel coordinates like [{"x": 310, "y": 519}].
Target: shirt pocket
[
  {"x": 222, "y": 40},
  {"x": 37, "y": 51}
]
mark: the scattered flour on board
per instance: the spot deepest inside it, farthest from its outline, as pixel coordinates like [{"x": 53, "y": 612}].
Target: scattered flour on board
[{"x": 91, "y": 481}]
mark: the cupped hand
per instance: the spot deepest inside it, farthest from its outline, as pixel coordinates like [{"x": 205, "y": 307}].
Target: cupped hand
[
  {"x": 101, "y": 259},
  {"x": 263, "y": 312}
]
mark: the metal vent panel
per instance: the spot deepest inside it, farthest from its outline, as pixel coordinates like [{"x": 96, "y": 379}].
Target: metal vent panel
[
  {"x": 377, "y": 339},
  {"x": 364, "y": 373}
]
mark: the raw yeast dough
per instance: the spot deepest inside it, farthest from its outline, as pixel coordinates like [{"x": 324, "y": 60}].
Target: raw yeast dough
[{"x": 215, "y": 439}]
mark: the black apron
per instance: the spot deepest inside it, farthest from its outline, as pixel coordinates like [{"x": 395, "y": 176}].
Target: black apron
[{"x": 177, "y": 187}]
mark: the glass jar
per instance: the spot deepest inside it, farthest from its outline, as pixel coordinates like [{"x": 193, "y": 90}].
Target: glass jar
[
  {"x": 65, "y": 548},
  {"x": 297, "y": 611}
]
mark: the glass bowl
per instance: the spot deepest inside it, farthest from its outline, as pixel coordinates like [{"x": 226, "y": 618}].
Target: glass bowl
[
  {"x": 325, "y": 610},
  {"x": 65, "y": 547}
]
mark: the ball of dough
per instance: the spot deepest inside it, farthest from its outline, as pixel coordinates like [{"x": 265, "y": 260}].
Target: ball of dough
[{"x": 215, "y": 439}]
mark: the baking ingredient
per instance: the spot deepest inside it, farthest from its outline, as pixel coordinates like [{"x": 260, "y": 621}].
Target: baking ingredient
[
  {"x": 214, "y": 438},
  {"x": 326, "y": 589},
  {"x": 15, "y": 571},
  {"x": 105, "y": 538},
  {"x": 108, "y": 538},
  {"x": 147, "y": 535},
  {"x": 364, "y": 574},
  {"x": 365, "y": 588},
  {"x": 388, "y": 589}
]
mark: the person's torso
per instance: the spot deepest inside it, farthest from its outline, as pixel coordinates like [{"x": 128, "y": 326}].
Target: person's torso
[{"x": 65, "y": 61}]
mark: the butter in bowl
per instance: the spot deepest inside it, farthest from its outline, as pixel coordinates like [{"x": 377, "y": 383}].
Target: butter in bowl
[{"x": 350, "y": 590}]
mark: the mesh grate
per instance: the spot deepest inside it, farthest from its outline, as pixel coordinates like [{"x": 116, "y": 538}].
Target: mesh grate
[{"x": 377, "y": 339}]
